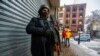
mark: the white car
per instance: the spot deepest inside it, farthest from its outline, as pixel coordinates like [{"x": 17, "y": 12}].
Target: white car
[{"x": 83, "y": 37}]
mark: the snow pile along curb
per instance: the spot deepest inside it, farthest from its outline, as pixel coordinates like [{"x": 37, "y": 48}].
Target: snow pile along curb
[{"x": 82, "y": 50}]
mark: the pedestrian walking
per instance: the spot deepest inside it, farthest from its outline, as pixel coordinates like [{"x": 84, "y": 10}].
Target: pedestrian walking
[
  {"x": 68, "y": 36},
  {"x": 63, "y": 36},
  {"x": 43, "y": 34}
]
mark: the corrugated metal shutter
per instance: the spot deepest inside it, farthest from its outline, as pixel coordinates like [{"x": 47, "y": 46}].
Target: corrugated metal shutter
[{"x": 14, "y": 16}]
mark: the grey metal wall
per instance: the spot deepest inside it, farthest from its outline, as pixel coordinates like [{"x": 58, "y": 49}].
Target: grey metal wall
[{"x": 14, "y": 16}]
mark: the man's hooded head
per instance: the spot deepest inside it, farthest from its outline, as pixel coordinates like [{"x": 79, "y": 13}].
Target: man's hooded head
[{"x": 43, "y": 10}]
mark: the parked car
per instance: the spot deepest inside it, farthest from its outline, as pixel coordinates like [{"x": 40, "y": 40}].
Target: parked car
[{"x": 83, "y": 37}]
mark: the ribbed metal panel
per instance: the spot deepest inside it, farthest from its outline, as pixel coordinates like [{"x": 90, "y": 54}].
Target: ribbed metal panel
[{"x": 14, "y": 16}]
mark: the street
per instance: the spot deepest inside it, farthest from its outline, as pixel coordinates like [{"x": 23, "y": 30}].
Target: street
[
  {"x": 93, "y": 44},
  {"x": 87, "y": 48},
  {"x": 98, "y": 49}
]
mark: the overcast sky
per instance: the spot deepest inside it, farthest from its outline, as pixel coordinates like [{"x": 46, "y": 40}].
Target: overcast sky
[{"x": 91, "y": 4}]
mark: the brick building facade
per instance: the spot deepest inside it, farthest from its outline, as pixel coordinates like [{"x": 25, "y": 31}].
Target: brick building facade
[{"x": 73, "y": 16}]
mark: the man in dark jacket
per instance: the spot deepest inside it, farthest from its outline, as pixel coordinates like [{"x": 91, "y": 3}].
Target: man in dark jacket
[{"x": 43, "y": 34}]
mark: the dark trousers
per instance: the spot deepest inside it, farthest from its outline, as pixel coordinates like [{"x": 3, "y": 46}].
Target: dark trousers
[
  {"x": 41, "y": 48},
  {"x": 68, "y": 41}
]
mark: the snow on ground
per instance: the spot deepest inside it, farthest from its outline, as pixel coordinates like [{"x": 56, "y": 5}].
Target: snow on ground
[
  {"x": 91, "y": 44},
  {"x": 85, "y": 47}
]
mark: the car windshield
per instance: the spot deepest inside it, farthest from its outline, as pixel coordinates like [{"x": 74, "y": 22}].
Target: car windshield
[{"x": 85, "y": 35}]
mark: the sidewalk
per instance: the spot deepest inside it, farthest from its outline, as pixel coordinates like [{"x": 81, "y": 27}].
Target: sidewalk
[{"x": 67, "y": 51}]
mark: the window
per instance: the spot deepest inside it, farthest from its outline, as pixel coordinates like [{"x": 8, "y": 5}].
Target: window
[
  {"x": 68, "y": 9},
  {"x": 81, "y": 14},
  {"x": 81, "y": 7},
  {"x": 67, "y": 22},
  {"x": 80, "y": 22},
  {"x": 74, "y": 9},
  {"x": 74, "y": 15},
  {"x": 73, "y": 21},
  {"x": 60, "y": 14},
  {"x": 80, "y": 28},
  {"x": 67, "y": 15}
]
